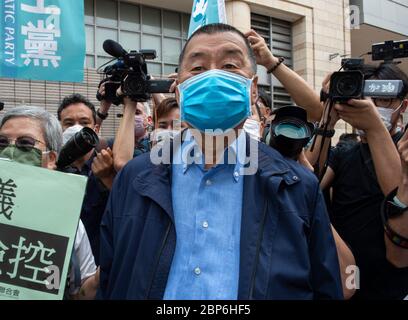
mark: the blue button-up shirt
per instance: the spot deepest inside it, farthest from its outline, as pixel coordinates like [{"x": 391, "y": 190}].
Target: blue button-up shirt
[{"x": 207, "y": 206}]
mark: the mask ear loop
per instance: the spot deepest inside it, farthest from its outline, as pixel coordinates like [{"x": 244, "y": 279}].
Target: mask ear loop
[{"x": 400, "y": 106}]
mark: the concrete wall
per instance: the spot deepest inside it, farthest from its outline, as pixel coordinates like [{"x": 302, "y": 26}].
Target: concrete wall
[{"x": 389, "y": 15}]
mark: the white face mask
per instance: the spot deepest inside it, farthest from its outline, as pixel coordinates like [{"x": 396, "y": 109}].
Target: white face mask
[
  {"x": 386, "y": 115},
  {"x": 253, "y": 128},
  {"x": 70, "y": 132}
]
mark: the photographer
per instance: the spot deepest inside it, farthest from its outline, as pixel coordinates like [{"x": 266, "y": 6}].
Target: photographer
[
  {"x": 360, "y": 177},
  {"x": 74, "y": 113},
  {"x": 32, "y": 136}
]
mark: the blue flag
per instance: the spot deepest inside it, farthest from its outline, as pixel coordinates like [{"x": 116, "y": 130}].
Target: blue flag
[
  {"x": 206, "y": 12},
  {"x": 42, "y": 39}
]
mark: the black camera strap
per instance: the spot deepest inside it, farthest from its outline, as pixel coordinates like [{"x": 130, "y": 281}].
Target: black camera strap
[{"x": 324, "y": 128}]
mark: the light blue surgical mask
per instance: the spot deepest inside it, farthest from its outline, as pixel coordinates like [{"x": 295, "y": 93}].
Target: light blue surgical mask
[{"x": 214, "y": 100}]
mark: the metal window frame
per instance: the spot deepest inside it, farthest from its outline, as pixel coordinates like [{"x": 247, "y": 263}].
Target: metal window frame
[
  {"x": 159, "y": 61},
  {"x": 271, "y": 21}
]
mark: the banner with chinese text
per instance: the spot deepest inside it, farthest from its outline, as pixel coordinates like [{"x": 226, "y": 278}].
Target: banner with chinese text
[
  {"x": 205, "y": 12},
  {"x": 42, "y": 39},
  {"x": 39, "y": 214}
]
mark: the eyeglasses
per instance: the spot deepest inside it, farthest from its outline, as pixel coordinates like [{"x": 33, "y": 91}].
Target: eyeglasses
[
  {"x": 386, "y": 103},
  {"x": 23, "y": 143}
]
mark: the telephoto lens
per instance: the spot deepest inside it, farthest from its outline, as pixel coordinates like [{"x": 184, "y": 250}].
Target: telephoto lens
[
  {"x": 290, "y": 132},
  {"x": 78, "y": 146}
]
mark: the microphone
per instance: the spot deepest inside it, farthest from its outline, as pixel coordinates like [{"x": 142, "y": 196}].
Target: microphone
[{"x": 113, "y": 48}]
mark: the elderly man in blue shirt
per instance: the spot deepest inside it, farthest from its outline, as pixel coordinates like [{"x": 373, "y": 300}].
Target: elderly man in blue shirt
[{"x": 221, "y": 219}]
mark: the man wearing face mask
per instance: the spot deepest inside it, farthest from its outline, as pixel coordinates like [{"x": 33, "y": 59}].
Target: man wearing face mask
[
  {"x": 133, "y": 124},
  {"x": 166, "y": 120},
  {"x": 74, "y": 113},
  {"x": 142, "y": 143},
  {"x": 209, "y": 228},
  {"x": 32, "y": 136},
  {"x": 360, "y": 177}
]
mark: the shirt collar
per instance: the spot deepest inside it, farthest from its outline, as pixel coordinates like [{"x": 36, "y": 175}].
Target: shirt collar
[{"x": 238, "y": 149}]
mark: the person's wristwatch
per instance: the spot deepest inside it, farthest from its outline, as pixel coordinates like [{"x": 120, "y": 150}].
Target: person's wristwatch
[
  {"x": 396, "y": 207},
  {"x": 102, "y": 116},
  {"x": 392, "y": 207}
]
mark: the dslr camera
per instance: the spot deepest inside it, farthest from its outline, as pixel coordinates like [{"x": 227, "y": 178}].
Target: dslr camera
[
  {"x": 130, "y": 73},
  {"x": 76, "y": 147},
  {"x": 351, "y": 84},
  {"x": 290, "y": 131}
]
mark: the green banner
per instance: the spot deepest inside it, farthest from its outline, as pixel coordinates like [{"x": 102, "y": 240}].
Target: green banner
[{"x": 39, "y": 214}]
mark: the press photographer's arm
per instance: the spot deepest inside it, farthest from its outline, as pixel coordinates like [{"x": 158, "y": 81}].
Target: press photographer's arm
[
  {"x": 396, "y": 255},
  {"x": 295, "y": 85},
  {"x": 124, "y": 144},
  {"x": 363, "y": 115}
]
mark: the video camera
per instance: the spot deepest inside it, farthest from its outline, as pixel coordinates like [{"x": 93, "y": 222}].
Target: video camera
[
  {"x": 130, "y": 73},
  {"x": 351, "y": 84}
]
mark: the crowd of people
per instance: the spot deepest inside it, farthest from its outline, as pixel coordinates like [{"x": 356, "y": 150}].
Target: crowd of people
[{"x": 331, "y": 223}]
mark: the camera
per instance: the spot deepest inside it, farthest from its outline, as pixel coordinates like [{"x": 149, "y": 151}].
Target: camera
[
  {"x": 351, "y": 84},
  {"x": 130, "y": 73},
  {"x": 390, "y": 50},
  {"x": 76, "y": 147},
  {"x": 290, "y": 131}
]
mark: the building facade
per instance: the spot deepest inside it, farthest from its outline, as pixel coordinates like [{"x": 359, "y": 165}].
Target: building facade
[
  {"x": 306, "y": 32},
  {"x": 377, "y": 21}
]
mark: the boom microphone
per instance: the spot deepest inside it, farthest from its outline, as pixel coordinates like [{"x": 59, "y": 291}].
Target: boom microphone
[{"x": 113, "y": 48}]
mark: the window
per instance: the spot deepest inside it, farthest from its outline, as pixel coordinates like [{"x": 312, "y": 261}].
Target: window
[
  {"x": 278, "y": 35},
  {"x": 135, "y": 27}
]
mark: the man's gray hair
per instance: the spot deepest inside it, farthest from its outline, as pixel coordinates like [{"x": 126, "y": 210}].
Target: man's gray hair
[{"x": 49, "y": 124}]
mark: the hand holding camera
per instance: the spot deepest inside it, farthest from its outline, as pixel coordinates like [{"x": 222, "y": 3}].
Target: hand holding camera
[
  {"x": 102, "y": 167},
  {"x": 361, "y": 114}
]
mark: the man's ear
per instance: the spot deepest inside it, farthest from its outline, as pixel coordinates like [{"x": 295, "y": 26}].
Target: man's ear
[
  {"x": 51, "y": 163},
  {"x": 176, "y": 92},
  {"x": 97, "y": 128},
  {"x": 404, "y": 105},
  {"x": 254, "y": 90}
]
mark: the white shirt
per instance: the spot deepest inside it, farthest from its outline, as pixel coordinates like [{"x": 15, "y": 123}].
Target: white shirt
[{"x": 84, "y": 257}]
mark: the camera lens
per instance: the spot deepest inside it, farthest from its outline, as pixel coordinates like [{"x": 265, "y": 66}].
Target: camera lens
[
  {"x": 89, "y": 138},
  {"x": 348, "y": 86},
  {"x": 291, "y": 130}
]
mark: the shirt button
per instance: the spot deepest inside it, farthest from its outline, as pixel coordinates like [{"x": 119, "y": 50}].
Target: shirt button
[
  {"x": 236, "y": 174},
  {"x": 208, "y": 183},
  {"x": 197, "y": 271},
  {"x": 295, "y": 178},
  {"x": 205, "y": 224}
]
